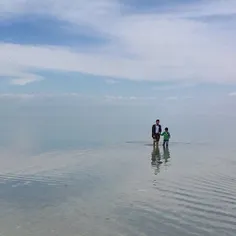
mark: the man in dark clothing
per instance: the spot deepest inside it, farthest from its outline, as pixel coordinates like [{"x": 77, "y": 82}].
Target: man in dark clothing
[{"x": 156, "y": 132}]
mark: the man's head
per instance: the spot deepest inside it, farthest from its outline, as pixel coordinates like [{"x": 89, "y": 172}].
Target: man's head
[{"x": 157, "y": 122}]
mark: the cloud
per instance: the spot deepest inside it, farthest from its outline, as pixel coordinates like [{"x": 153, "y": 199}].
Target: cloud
[
  {"x": 14, "y": 96},
  {"x": 111, "y": 81},
  {"x": 232, "y": 94},
  {"x": 78, "y": 99},
  {"x": 128, "y": 98},
  {"x": 39, "y": 95},
  {"x": 24, "y": 81},
  {"x": 166, "y": 87},
  {"x": 174, "y": 45},
  {"x": 17, "y": 73}
]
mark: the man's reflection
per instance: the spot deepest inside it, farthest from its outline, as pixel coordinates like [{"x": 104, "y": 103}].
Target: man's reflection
[{"x": 156, "y": 157}]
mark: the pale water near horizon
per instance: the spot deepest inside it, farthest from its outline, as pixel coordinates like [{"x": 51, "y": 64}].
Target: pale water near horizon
[{"x": 65, "y": 170}]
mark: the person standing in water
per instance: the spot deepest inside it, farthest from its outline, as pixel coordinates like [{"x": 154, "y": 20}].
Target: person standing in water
[
  {"x": 156, "y": 132},
  {"x": 166, "y": 139}
]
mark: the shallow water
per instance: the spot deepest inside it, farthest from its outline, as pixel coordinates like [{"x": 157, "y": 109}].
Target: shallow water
[{"x": 119, "y": 190}]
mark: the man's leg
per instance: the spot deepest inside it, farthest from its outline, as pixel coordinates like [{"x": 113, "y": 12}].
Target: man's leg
[
  {"x": 154, "y": 142},
  {"x": 158, "y": 138},
  {"x": 164, "y": 143}
]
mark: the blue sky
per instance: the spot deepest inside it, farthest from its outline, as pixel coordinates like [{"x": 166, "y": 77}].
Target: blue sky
[{"x": 118, "y": 49}]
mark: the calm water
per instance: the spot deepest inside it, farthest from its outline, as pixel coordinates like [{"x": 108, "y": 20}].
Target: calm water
[
  {"x": 119, "y": 190},
  {"x": 63, "y": 173}
]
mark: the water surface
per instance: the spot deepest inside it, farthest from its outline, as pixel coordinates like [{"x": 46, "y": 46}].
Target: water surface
[
  {"x": 119, "y": 190},
  {"x": 72, "y": 169}
]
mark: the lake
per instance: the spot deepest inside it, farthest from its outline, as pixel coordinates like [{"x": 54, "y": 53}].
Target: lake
[{"x": 62, "y": 175}]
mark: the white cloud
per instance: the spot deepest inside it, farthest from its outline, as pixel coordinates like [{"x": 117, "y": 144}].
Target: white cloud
[
  {"x": 39, "y": 95},
  {"x": 142, "y": 46},
  {"x": 17, "y": 96},
  {"x": 166, "y": 87},
  {"x": 111, "y": 97},
  {"x": 111, "y": 81},
  {"x": 17, "y": 73},
  {"x": 130, "y": 100},
  {"x": 232, "y": 94},
  {"x": 80, "y": 99},
  {"x": 27, "y": 80}
]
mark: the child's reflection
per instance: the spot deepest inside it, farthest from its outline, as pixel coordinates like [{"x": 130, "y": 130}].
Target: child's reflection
[{"x": 166, "y": 154}]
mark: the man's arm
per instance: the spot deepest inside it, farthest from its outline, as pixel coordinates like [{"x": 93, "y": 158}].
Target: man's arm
[{"x": 153, "y": 130}]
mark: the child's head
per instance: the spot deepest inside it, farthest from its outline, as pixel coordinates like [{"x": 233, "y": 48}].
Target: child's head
[{"x": 166, "y": 129}]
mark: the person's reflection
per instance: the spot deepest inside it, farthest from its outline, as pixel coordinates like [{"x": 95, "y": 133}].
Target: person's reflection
[
  {"x": 166, "y": 154},
  {"x": 156, "y": 158}
]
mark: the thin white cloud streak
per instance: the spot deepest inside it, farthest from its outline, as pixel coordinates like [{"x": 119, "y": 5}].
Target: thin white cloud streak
[
  {"x": 74, "y": 95},
  {"x": 28, "y": 79},
  {"x": 16, "y": 96},
  {"x": 111, "y": 81},
  {"x": 142, "y": 47},
  {"x": 42, "y": 95},
  {"x": 174, "y": 86},
  {"x": 127, "y": 98},
  {"x": 79, "y": 100},
  {"x": 109, "y": 98},
  {"x": 232, "y": 94}
]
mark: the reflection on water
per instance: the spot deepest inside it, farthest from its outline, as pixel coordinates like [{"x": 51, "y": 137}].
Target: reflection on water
[
  {"x": 166, "y": 154},
  {"x": 113, "y": 191},
  {"x": 157, "y": 158}
]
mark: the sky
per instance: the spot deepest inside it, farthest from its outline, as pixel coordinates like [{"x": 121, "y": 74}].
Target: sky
[
  {"x": 177, "y": 57},
  {"x": 118, "y": 49},
  {"x": 174, "y": 60}
]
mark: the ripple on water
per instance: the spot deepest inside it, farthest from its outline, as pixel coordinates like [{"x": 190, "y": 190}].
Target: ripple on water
[
  {"x": 118, "y": 194},
  {"x": 201, "y": 202}
]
